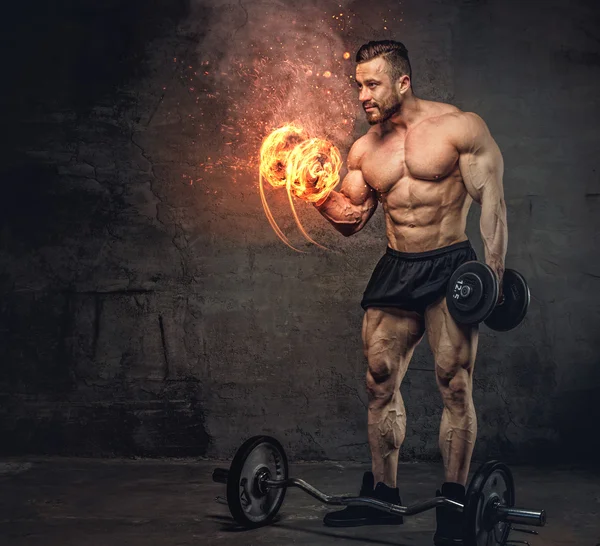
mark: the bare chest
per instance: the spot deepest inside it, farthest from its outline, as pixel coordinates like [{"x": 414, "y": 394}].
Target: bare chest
[{"x": 423, "y": 153}]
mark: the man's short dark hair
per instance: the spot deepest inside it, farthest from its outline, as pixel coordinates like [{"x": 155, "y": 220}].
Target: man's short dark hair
[{"x": 395, "y": 53}]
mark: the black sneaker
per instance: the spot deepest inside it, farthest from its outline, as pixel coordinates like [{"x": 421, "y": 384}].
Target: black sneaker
[
  {"x": 449, "y": 530},
  {"x": 354, "y": 516}
]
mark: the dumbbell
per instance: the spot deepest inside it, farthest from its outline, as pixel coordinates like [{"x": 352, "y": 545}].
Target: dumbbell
[
  {"x": 472, "y": 296},
  {"x": 257, "y": 481}
]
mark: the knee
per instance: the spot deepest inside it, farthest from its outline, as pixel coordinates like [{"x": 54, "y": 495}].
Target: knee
[
  {"x": 455, "y": 386},
  {"x": 380, "y": 368},
  {"x": 380, "y": 384},
  {"x": 451, "y": 364}
]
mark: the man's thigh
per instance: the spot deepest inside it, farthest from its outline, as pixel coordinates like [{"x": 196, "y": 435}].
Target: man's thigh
[
  {"x": 453, "y": 345},
  {"x": 390, "y": 335}
]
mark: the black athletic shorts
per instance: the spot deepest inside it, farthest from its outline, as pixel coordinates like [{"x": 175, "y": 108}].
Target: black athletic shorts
[{"x": 414, "y": 280}]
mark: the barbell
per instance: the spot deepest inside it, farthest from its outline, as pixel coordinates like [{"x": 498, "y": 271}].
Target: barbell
[
  {"x": 257, "y": 481},
  {"x": 472, "y": 296}
]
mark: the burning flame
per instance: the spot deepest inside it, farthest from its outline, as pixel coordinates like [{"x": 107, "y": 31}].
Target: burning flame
[
  {"x": 275, "y": 150},
  {"x": 313, "y": 169},
  {"x": 308, "y": 168}
]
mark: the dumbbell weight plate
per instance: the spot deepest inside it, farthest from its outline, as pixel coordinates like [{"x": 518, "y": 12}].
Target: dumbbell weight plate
[
  {"x": 472, "y": 292},
  {"x": 491, "y": 485},
  {"x": 258, "y": 456},
  {"x": 511, "y": 312}
]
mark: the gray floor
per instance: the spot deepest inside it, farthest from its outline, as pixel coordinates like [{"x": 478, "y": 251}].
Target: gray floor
[{"x": 91, "y": 502}]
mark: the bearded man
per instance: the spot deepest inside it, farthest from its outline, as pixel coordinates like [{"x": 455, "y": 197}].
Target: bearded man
[{"x": 426, "y": 162}]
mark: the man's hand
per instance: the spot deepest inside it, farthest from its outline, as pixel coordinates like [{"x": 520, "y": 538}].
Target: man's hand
[
  {"x": 498, "y": 270},
  {"x": 312, "y": 169}
]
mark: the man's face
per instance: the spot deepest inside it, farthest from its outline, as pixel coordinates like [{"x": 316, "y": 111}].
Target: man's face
[{"x": 379, "y": 96}]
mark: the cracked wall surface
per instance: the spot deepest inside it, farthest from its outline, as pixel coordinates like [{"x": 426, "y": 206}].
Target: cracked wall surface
[{"x": 148, "y": 308}]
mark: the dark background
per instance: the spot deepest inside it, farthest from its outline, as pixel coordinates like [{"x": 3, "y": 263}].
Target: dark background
[{"x": 147, "y": 308}]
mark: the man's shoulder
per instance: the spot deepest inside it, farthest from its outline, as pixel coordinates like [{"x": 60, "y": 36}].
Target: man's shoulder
[
  {"x": 362, "y": 145},
  {"x": 458, "y": 119},
  {"x": 457, "y": 124},
  {"x": 442, "y": 113},
  {"x": 430, "y": 109}
]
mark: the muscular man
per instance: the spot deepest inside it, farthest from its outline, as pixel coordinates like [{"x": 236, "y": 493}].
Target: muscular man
[{"x": 426, "y": 162}]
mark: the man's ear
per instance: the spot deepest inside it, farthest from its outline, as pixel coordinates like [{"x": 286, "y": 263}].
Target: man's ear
[{"x": 403, "y": 84}]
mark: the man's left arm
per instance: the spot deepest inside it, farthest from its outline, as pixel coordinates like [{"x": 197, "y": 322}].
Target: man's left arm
[{"x": 482, "y": 167}]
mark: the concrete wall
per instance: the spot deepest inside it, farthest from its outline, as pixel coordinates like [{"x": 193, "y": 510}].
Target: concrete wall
[{"x": 148, "y": 308}]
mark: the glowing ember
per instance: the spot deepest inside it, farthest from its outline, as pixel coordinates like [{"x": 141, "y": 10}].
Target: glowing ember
[
  {"x": 308, "y": 167},
  {"x": 327, "y": 74},
  {"x": 346, "y": 55}
]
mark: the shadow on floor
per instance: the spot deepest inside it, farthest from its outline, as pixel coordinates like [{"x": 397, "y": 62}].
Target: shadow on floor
[{"x": 230, "y": 526}]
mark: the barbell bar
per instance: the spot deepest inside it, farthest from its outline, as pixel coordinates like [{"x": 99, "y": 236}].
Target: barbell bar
[{"x": 258, "y": 479}]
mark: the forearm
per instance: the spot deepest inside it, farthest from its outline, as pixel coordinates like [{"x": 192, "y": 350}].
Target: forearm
[
  {"x": 482, "y": 168},
  {"x": 346, "y": 217},
  {"x": 494, "y": 233}
]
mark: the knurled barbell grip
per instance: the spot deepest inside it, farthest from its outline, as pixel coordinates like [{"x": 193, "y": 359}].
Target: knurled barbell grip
[{"x": 220, "y": 475}]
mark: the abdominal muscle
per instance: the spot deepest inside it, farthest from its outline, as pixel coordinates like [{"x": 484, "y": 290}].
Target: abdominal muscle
[{"x": 423, "y": 215}]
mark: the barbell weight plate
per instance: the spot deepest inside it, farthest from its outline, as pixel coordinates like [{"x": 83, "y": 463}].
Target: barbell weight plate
[
  {"x": 248, "y": 505},
  {"x": 492, "y": 483},
  {"x": 472, "y": 292},
  {"x": 511, "y": 312}
]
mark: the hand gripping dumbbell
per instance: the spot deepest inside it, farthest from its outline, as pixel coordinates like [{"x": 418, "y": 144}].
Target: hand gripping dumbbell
[{"x": 472, "y": 296}]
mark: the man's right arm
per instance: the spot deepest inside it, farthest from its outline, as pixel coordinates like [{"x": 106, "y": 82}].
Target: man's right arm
[{"x": 350, "y": 209}]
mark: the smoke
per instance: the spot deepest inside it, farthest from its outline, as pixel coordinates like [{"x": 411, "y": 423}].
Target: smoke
[{"x": 272, "y": 63}]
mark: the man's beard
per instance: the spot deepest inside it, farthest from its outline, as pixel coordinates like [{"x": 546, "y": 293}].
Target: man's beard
[{"x": 384, "y": 111}]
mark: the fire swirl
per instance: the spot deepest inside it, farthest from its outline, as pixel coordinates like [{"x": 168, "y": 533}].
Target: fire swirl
[
  {"x": 313, "y": 169},
  {"x": 307, "y": 167},
  {"x": 274, "y": 152}
]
